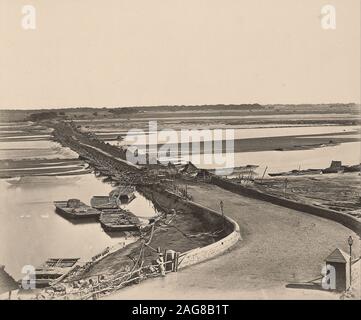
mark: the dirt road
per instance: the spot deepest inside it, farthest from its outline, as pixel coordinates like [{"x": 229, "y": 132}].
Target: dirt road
[{"x": 279, "y": 246}]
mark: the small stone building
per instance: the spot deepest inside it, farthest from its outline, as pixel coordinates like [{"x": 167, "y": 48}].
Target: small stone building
[{"x": 341, "y": 262}]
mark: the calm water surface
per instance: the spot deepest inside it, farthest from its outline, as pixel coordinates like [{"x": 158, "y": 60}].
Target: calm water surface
[
  {"x": 348, "y": 153},
  {"x": 31, "y": 231}
]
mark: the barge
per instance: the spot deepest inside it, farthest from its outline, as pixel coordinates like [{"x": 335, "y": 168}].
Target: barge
[
  {"x": 104, "y": 202},
  {"x": 74, "y": 209},
  {"x": 119, "y": 220}
]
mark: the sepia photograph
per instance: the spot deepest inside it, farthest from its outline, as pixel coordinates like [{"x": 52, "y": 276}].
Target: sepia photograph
[{"x": 180, "y": 150}]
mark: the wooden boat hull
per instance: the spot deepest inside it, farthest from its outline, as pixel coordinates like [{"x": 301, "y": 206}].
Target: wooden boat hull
[
  {"x": 125, "y": 227},
  {"x": 53, "y": 271},
  {"x": 88, "y": 212},
  {"x": 119, "y": 220},
  {"x": 103, "y": 203}
]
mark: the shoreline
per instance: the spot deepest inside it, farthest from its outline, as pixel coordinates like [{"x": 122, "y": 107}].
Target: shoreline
[
  {"x": 284, "y": 143},
  {"x": 175, "y": 245},
  {"x": 270, "y": 205},
  {"x": 187, "y": 221},
  {"x": 87, "y": 149}
]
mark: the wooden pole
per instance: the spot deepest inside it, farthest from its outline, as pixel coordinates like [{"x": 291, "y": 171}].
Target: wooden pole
[
  {"x": 264, "y": 172},
  {"x": 221, "y": 206}
]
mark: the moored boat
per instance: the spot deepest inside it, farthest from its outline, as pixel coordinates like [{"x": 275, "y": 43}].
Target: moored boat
[
  {"x": 53, "y": 270},
  {"x": 104, "y": 202},
  {"x": 74, "y": 208},
  {"x": 119, "y": 220}
]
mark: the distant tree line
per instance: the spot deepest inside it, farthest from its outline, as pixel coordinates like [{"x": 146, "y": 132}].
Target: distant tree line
[{"x": 45, "y": 115}]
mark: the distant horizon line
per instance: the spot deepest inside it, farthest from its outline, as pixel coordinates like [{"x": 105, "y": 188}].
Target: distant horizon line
[{"x": 175, "y": 106}]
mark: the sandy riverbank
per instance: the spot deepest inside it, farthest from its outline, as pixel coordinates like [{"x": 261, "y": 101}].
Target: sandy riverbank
[{"x": 284, "y": 143}]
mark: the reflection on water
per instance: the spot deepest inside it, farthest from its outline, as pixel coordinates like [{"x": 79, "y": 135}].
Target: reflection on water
[{"x": 31, "y": 231}]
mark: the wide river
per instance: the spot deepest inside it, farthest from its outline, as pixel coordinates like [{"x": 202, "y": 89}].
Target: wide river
[{"x": 275, "y": 161}]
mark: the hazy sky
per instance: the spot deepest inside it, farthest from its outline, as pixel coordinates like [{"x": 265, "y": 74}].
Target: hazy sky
[{"x": 167, "y": 52}]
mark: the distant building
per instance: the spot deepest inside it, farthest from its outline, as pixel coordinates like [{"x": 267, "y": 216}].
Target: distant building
[{"x": 336, "y": 167}]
